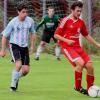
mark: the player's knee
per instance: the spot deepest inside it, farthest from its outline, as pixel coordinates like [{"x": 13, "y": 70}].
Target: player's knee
[
  {"x": 80, "y": 63},
  {"x": 89, "y": 67},
  {"x": 25, "y": 71},
  {"x": 42, "y": 44},
  {"x": 18, "y": 65}
]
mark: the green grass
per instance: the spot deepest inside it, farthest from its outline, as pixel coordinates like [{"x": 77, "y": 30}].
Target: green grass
[{"x": 48, "y": 79}]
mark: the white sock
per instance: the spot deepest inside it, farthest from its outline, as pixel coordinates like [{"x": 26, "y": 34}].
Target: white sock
[
  {"x": 20, "y": 74},
  {"x": 57, "y": 51},
  {"x": 39, "y": 50},
  {"x": 15, "y": 77}
]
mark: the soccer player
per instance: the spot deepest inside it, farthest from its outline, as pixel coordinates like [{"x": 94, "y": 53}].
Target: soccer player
[
  {"x": 17, "y": 31},
  {"x": 68, "y": 33},
  {"x": 50, "y": 23}
]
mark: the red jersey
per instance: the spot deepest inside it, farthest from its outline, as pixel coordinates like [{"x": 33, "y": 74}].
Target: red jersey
[{"x": 71, "y": 30}]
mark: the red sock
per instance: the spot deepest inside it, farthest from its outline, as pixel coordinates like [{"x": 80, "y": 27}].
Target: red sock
[
  {"x": 78, "y": 79},
  {"x": 90, "y": 81}
]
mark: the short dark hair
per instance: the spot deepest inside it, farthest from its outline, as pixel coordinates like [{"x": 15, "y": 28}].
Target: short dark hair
[
  {"x": 76, "y": 4},
  {"x": 21, "y": 6},
  {"x": 51, "y": 7}
]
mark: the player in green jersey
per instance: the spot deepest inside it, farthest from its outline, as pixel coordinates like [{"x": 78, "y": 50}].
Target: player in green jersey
[{"x": 50, "y": 23}]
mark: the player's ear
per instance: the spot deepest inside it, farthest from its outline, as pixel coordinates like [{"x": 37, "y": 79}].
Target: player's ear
[
  {"x": 17, "y": 11},
  {"x": 71, "y": 10}
]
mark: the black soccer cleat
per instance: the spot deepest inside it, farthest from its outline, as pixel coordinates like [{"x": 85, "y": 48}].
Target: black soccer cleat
[
  {"x": 37, "y": 58},
  {"x": 12, "y": 89},
  {"x": 82, "y": 90},
  {"x": 12, "y": 61},
  {"x": 58, "y": 59}
]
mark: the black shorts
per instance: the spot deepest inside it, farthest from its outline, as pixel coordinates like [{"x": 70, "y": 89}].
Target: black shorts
[
  {"x": 20, "y": 53},
  {"x": 47, "y": 36}
]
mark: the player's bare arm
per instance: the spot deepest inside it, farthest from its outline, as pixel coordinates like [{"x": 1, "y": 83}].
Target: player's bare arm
[
  {"x": 3, "y": 46},
  {"x": 91, "y": 40},
  {"x": 70, "y": 42},
  {"x": 32, "y": 41}
]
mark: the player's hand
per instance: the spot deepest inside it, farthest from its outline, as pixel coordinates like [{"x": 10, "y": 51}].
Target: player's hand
[
  {"x": 70, "y": 42},
  {"x": 98, "y": 45},
  {"x": 2, "y": 53}
]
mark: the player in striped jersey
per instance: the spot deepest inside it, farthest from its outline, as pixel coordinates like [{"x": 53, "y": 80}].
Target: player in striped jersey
[{"x": 18, "y": 31}]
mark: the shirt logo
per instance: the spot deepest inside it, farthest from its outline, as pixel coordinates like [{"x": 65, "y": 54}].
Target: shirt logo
[
  {"x": 78, "y": 30},
  {"x": 71, "y": 26}
]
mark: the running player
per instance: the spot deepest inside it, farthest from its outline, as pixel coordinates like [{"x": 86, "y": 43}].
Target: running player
[{"x": 18, "y": 30}]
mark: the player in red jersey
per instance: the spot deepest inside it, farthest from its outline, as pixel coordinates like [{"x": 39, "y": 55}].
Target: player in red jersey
[{"x": 68, "y": 33}]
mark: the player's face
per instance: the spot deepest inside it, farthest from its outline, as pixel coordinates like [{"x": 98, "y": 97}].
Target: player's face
[
  {"x": 23, "y": 13},
  {"x": 51, "y": 12},
  {"x": 77, "y": 12}
]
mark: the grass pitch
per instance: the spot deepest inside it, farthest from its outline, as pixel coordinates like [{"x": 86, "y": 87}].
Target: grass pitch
[{"x": 48, "y": 79}]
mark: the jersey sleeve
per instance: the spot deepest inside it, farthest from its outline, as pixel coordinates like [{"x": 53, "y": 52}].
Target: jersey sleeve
[
  {"x": 40, "y": 24},
  {"x": 8, "y": 30},
  {"x": 32, "y": 28},
  {"x": 58, "y": 18},
  {"x": 84, "y": 30},
  {"x": 60, "y": 27}
]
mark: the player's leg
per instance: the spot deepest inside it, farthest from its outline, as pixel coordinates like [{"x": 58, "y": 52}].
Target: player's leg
[
  {"x": 78, "y": 76},
  {"x": 90, "y": 74},
  {"x": 45, "y": 39},
  {"x": 25, "y": 61},
  {"x": 40, "y": 49},
  {"x": 89, "y": 68},
  {"x": 15, "y": 52},
  {"x": 78, "y": 73},
  {"x": 57, "y": 52},
  {"x": 24, "y": 53},
  {"x": 57, "y": 49},
  {"x": 76, "y": 61}
]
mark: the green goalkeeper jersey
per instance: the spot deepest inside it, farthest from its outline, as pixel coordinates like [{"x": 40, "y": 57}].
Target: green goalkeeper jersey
[{"x": 50, "y": 24}]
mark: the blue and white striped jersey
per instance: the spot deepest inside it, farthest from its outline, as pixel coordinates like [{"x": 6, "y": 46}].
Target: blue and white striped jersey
[{"x": 18, "y": 31}]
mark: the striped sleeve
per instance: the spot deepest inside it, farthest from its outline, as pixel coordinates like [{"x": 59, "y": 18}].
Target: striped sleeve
[
  {"x": 61, "y": 26},
  {"x": 32, "y": 28},
  {"x": 7, "y": 31}
]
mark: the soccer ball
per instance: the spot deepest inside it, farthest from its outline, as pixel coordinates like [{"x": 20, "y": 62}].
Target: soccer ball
[{"x": 94, "y": 91}]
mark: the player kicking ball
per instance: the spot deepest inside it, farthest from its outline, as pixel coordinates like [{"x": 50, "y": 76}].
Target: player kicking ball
[
  {"x": 68, "y": 33},
  {"x": 18, "y": 30}
]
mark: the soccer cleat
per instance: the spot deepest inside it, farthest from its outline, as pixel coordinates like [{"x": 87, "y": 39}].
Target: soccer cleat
[
  {"x": 82, "y": 90},
  {"x": 12, "y": 89},
  {"x": 58, "y": 59},
  {"x": 12, "y": 61},
  {"x": 37, "y": 58}
]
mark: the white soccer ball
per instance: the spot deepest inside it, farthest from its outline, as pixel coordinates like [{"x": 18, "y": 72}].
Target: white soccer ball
[{"x": 94, "y": 91}]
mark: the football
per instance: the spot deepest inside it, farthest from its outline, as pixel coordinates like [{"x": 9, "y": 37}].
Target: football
[{"x": 94, "y": 91}]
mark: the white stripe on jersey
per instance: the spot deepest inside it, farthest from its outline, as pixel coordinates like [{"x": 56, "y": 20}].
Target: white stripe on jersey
[
  {"x": 12, "y": 52},
  {"x": 63, "y": 22},
  {"x": 69, "y": 56}
]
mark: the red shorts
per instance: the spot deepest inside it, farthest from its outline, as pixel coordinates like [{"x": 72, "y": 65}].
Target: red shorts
[{"x": 74, "y": 53}]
